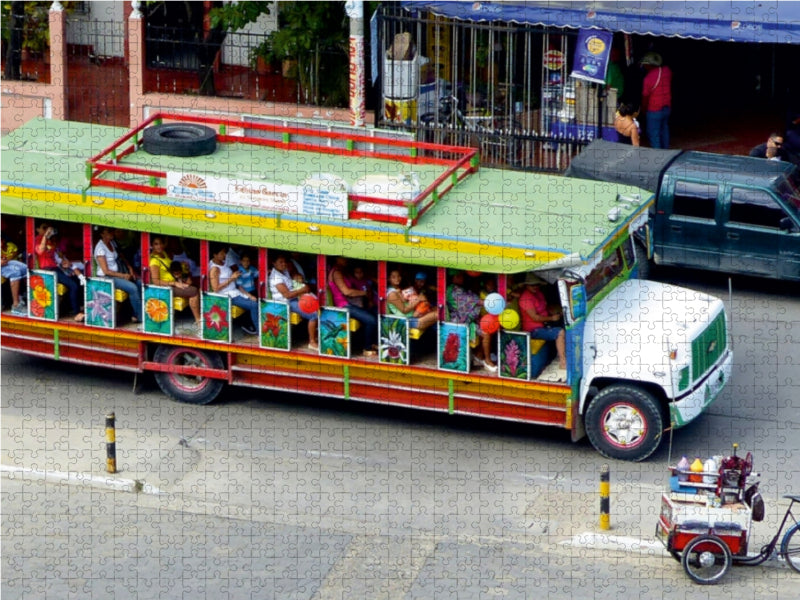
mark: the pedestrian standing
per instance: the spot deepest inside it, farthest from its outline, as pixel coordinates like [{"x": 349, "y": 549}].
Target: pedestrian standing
[{"x": 656, "y": 99}]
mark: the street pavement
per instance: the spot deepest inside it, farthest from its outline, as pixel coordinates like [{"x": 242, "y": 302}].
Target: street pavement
[{"x": 268, "y": 495}]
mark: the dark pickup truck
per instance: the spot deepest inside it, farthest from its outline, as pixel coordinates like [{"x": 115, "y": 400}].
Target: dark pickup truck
[{"x": 733, "y": 214}]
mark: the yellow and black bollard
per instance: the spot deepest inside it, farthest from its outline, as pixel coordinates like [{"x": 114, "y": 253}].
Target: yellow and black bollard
[
  {"x": 605, "y": 499},
  {"x": 111, "y": 444}
]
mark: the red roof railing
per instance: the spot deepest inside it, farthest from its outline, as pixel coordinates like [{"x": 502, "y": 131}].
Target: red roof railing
[{"x": 100, "y": 169}]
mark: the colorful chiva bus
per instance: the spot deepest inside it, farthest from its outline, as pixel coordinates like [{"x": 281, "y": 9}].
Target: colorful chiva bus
[{"x": 356, "y": 239}]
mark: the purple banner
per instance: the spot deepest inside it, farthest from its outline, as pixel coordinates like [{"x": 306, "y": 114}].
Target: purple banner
[{"x": 591, "y": 55}]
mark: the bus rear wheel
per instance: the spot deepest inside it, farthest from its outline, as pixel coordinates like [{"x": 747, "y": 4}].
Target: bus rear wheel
[
  {"x": 192, "y": 389},
  {"x": 624, "y": 422}
]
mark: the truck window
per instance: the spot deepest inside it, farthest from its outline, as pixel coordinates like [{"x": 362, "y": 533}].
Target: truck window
[
  {"x": 755, "y": 207},
  {"x": 694, "y": 200},
  {"x": 603, "y": 273}
]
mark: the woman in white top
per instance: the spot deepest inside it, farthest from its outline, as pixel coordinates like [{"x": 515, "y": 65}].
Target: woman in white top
[
  {"x": 114, "y": 266},
  {"x": 282, "y": 287},
  {"x": 222, "y": 280}
]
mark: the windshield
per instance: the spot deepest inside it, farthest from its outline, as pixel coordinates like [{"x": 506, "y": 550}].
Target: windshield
[{"x": 789, "y": 191}]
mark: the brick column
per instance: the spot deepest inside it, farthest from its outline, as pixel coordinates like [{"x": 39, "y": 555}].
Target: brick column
[{"x": 58, "y": 60}]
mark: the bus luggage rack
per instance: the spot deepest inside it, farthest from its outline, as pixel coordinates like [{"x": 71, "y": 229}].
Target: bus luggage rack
[{"x": 109, "y": 168}]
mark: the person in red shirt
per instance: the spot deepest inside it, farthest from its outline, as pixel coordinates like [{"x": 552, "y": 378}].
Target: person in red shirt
[
  {"x": 536, "y": 318},
  {"x": 45, "y": 249},
  {"x": 656, "y": 99}
]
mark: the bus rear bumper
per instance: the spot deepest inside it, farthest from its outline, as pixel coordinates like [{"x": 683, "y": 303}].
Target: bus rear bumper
[{"x": 691, "y": 406}]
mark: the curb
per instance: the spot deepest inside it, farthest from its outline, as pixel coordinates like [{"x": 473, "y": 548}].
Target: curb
[{"x": 117, "y": 484}]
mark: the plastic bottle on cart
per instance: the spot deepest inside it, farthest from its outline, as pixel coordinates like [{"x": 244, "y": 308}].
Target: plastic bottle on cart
[
  {"x": 683, "y": 468},
  {"x": 710, "y": 467},
  {"x": 696, "y": 469}
]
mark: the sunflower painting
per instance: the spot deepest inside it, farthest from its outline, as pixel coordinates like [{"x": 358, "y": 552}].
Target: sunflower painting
[
  {"x": 158, "y": 316},
  {"x": 274, "y": 330},
  {"x": 216, "y": 311},
  {"x": 394, "y": 340},
  {"x": 334, "y": 333},
  {"x": 42, "y": 295},
  {"x": 454, "y": 347}
]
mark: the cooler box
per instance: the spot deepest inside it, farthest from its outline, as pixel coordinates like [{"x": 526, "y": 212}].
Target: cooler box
[{"x": 681, "y": 520}]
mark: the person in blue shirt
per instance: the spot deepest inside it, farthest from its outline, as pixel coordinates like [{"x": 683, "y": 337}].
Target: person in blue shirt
[{"x": 248, "y": 280}]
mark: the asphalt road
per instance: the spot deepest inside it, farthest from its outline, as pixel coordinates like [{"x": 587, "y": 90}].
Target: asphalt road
[{"x": 278, "y": 496}]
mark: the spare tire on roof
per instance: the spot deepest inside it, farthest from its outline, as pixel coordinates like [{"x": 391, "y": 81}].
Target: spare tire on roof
[{"x": 179, "y": 139}]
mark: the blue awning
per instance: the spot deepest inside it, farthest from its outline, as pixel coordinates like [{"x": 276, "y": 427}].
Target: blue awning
[{"x": 731, "y": 21}]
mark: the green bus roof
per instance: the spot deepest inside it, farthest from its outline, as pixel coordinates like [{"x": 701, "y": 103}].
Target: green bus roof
[{"x": 499, "y": 221}]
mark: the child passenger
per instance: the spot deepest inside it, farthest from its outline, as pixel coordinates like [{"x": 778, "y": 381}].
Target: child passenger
[{"x": 248, "y": 279}]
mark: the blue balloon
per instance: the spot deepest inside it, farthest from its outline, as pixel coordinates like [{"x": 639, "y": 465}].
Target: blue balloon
[{"x": 494, "y": 303}]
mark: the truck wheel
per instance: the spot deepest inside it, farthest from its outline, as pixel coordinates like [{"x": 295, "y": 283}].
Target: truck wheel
[
  {"x": 624, "y": 422},
  {"x": 191, "y": 389},
  {"x": 179, "y": 139}
]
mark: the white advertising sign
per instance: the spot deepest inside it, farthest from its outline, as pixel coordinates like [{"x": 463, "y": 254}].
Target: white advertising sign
[{"x": 312, "y": 198}]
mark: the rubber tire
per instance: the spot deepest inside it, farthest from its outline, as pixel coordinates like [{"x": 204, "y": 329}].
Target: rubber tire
[
  {"x": 791, "y": 551},
  {"x": 687, "y": 557},
  {"x": 638, "y": 399},
  {"x": 179, "y": 139},
  {"x": 191, "y": 390}
]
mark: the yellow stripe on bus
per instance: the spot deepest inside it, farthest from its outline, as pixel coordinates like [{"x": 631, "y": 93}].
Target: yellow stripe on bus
[{"x": 148, "y": 213}]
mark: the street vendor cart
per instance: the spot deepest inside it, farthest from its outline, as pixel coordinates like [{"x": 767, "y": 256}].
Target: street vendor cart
[{"x": 705, "y": 521}]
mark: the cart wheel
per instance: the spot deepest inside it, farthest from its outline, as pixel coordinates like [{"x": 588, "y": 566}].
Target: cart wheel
[
  {"x": 790, "y": 547},
  {"x": 706, "y": 559}
]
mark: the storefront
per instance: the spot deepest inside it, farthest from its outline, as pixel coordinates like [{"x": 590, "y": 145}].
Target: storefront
[{"x": 512, "y": 65}]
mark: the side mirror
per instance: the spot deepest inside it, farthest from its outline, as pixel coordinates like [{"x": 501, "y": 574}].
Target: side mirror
[{"x": 787, "y": 225}]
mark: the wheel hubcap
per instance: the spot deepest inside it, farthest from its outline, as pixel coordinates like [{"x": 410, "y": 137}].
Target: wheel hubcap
[
  {"x": 624, "y": 425},
  {"x": 189, "y": 381},
  {"x": 706, "y": 559}
]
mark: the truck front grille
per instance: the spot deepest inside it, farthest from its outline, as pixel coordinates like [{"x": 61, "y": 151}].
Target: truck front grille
[{"x": 709, "y": 346}]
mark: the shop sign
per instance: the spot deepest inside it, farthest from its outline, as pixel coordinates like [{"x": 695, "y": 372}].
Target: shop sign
[
  {"x": 591, "y": 55},
  {"x": 553, "y": 60}
]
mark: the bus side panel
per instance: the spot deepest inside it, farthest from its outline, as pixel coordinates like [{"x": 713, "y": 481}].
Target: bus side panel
[
  {"x": 408, "y": 387},
  {"x": 72, "y": 344}
]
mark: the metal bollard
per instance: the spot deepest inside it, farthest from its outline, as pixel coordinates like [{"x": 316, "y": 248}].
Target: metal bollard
[
  {"x": 111, "y": 444},
  {"x": 605, "y": 500}
]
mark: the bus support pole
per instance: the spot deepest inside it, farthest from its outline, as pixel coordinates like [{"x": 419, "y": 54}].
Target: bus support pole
[
  {"x": 605, "y": 499},
  {"x": 111, "y": 444}
]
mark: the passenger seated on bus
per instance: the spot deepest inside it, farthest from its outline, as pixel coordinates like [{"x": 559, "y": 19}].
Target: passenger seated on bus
[
  {"x": 422, "y": 288},
  {"x": 537, "y": 318},
  {"x": 283, "y": 287},
  {"x": 249, "y": 275},
  {"x": 112, "y": 264},
  {"x": 222, "y": 280},
  {"x": 47, "y": 256},
  {"x": 159, "y": 267},
  {"x": 361, "y": 282},
  {"x": 405, "y": 302},
  {"x": 13, "y": 270},
  {"x": 188, "y": 251},
  {"x": 341, "y": 285},
  {"x": 464, "y": 306}
]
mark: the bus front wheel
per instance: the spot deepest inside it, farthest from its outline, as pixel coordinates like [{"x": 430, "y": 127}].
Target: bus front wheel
[
  {"x": 624, "y": 422},
  {"x": 192, "y": 389}
]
